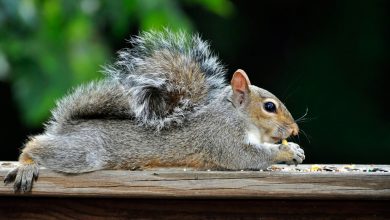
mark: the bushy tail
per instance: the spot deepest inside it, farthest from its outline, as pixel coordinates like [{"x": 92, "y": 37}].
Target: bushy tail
[
  {"x": 101, "y": 99},
  {"x": 167, "y": 75}
]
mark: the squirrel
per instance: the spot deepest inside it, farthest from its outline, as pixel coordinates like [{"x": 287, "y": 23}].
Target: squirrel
[{"x": 164, "y": 103}]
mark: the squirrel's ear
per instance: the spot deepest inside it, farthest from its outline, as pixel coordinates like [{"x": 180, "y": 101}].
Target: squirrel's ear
[{"x": 240, "y": 85}]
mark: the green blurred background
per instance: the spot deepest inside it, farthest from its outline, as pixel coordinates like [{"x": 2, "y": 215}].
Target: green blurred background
[{"x": 330, "y": 57}]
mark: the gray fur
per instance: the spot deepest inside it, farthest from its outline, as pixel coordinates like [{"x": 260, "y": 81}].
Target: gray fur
[
  {"x": 100, "y": 99},
  {"x": 162, "y": 65},
  {"x": 217, "y": 133},
  {"x": 170, "y": 83},
  {"x": 162, "y": 79}
]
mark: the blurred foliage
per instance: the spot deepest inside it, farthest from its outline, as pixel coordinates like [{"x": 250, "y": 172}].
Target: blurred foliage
[
  {"x": 329, "y": 56},
  {"x": 49, "y": 46}
]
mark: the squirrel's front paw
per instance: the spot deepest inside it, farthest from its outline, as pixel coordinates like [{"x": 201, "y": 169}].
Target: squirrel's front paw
[{"x": 290, "y": 154}]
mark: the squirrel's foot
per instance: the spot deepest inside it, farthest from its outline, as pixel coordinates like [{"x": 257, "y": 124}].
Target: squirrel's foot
[
  {"x": 290, "y": 154},
  {"x": 23, "y": 177}
]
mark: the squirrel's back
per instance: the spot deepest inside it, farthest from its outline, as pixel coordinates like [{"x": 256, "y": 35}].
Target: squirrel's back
[{"x": 164, "y": 77}]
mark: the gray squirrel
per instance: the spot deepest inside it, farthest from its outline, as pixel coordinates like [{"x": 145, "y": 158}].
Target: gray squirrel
[{"x": 164, "y": 103}]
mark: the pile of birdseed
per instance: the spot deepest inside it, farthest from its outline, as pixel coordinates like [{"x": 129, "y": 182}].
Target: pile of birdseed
[{"x": 329, "y": 168}]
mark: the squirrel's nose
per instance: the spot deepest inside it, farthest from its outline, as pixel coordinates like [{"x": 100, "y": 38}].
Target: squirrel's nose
[{"x": 294, "y": 130}]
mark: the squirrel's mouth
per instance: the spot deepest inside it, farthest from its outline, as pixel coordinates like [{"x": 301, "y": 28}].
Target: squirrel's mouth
[{"x": 276, "y": 139}]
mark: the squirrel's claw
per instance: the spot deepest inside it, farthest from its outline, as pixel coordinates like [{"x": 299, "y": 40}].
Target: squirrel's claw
[
  {"x": 293, "y": 153},
  {"x": 298, "y": 153},
  {"x": 23, "y": 177},
  {"x": 10, "y": 177}
]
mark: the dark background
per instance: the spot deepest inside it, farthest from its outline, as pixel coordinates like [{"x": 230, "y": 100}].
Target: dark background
[{"x": 330, "y": 57}]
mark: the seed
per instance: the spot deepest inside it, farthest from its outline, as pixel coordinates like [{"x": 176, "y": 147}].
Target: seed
[{"x": 315, "y": 168}]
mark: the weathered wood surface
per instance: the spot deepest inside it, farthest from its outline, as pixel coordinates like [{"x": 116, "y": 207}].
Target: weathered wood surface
[
  {"x": 119, "y": 208},
  {"x": 179, "y": 184}
]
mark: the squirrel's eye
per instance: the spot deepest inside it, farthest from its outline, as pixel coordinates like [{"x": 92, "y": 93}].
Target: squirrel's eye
[{"x": 270, "y": 107}]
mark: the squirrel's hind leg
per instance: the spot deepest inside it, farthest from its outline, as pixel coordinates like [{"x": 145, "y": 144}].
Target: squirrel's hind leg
[{"x": 26, "y": 173}]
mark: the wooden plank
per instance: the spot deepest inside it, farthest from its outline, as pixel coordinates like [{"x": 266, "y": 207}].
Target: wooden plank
[
  {"x": 176, "y": 183},
  {"x": 119, "y": 208}
]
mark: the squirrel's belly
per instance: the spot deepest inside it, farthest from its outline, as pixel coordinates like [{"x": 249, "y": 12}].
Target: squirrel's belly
[{"x": 195, "y": 161}]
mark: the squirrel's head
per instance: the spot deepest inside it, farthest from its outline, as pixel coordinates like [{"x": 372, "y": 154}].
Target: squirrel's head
[{"x": 268, "y": 116}]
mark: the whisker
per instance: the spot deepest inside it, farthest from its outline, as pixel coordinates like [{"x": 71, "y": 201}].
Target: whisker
[
  {"x": 305, "y": 120},
  {"x": 292, "y": 138},
  {"x": 306, "y": 135},
  {"x": 303, "y": 116}
]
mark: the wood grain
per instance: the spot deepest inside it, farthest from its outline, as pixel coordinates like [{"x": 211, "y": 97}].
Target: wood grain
[
  {"x": 120, "y": 208},
  {"x": 179, "y": 184}
]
